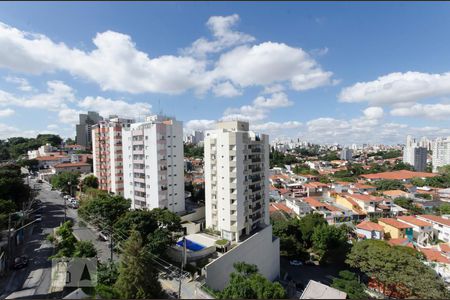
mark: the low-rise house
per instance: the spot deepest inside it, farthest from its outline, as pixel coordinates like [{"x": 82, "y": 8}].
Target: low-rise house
[
  {"x": 437, "y": 261},
  {"x": 370, "y": 230},
  {"x": 330, "y": 212},
  {"x": 46, "y": 162},
  {"x": 341, "y": 186},
  {"x": 441, "y": 226},
  {"x": 394, "y": 194},
  {"x": 401, "y": 242},
  {"x": 281, "y": 207},
  {"x": 300, "y": 208},
  {"x": 395, "y": 229},
  {"x": 315, "y": 188},
  {"x": 346, "y": 201},
  {"x": 307, "y": 178},
  {"x": 82, "y": 168},
  {"x": 444, "y": 194},
  {"x": 362, "y": 188},
  {"x": 317, "y": 290},
  {"x": 422, "y": 230},
  {"x": 402, "y": 175}
]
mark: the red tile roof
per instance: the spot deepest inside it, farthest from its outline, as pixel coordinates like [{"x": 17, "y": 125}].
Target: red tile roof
[
  {"x": 434, "y": 255},
  {"x": 445, "y": 247},
  {"x": 313, "y": 202},
  {"x": 363, "y": 186},
  {"x": 54, "y": 157},
  {"x": 315, "y": 184},
  {"x": 395, "y": 193},
  {"x": 331, "y": 207},
  {"x": 398, "y": 175},
  {"x": 281, "y": 206},
  {"x": 414, "y": 221},
  {"x": 370, "y": 226},
  {"x": 394, "y": 223},
  {"x": 400, "y": 242},
  {"x": 436, "y": 219},
  {"x": 65, "y": 165}
]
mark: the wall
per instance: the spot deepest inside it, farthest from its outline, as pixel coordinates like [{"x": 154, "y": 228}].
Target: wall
[
  {"x": 260, "y": 249},
  {"x": 394, "y": 233}
]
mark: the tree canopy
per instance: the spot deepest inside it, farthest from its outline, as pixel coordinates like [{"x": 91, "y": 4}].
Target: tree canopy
[
  {"x": 247, "y": 283},
  {"x": 397, "y": 268},
  {"x": 61, "y": 181},
  {"x": 89, "y": 181},
  {"x": 15, "y": 147},
  {"x": 348, "y": 282},
  {"x": 193, "y": 151},
  {"x": 104, "y": 209}
]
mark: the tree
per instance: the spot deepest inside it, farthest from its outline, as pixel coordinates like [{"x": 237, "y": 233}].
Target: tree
[
  {"x": 408, "y": 204},
  {"x": 89, "y": 182},
  {"x": 397, "y": 268},
  {"x": 349, "y": 283},
  {"x": 327, "y": 241},
  {"x": 247, "y": 283},
  {"x": 30, "y": 164},
  {"x": 444, "y": 170},
  {"x": 107, "y": 274},
  {"x": 402, "y": 166},
  {"x": 386, "y": 184},
  {"x": 138, "y": 277},
  {"x": 12, "y": 185},
  {"x": 194, "y": 151},
  {"x": 66, "y": 243},
  {"x": 61, "y": 181},
  {"x": 290, "y": 235},
  {"x": 307, "y": 225},
  {"x": 104, "y": 209},
  {"x": 6, "y": 207},
  {"x": 444, "y": 209},
  {"x": 85, "y": 249}
]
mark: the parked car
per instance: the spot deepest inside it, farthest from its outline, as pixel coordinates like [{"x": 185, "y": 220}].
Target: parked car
[
  {"x": 20, "y": 262},
  {"x": 295, "y": 263},
  {"x": 38, "y": 218},
  {"x": 102, "y": 236}
]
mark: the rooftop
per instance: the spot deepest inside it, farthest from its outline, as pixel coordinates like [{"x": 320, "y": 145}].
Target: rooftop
[
  {"x": 400, "y": 242},
  {"x": 434, "y": 255},
  {"x": 370, "y": 226},
  {"x": 436, "y": 219},
  {"x": 394, "y": 223},
  {"x": 317, "y": 290},
  {"x": 399, "y": 175},
  {"x": 395, "y": 193},
  {"x": 68, "y": 165},
  {"x": 414, "y": 221},
  {"x": 366, "y": 198},
  {"x": 313, "y": 202}
]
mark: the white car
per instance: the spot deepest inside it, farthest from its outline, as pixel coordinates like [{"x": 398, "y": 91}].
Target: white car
[{"x": 295, "y": 263}]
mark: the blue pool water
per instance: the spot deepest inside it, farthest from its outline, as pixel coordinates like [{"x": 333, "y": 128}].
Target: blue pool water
[{"x": 193, "y": 246}]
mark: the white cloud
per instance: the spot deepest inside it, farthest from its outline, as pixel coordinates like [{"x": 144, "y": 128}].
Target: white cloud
[
  {"x": 398, "y": 88},
  {"x": 224, "y": 36},
  {"x": 226, "y": 89},
  {"x": 276, "y": 88},
  {"x": 57, "y": 96},
  {"x": 7, "y": 131},
  {"x": 107, "y": 107},
  {"x": 432, "y": 111},
  {"x": 23, "y": 84},
  {"x": 52, "y": 126},
  {"x": 245, "y": 113},
  {"x": 69, "y": 116},
  {"x": 275, "y": 101},
  {"x": 200, "y": 125},
  {"x": 269, "y": 63},
  {"x": 6, "y": 112},
  {"x": 276, "y": 126},
  {"x": 374, "y": 112}
]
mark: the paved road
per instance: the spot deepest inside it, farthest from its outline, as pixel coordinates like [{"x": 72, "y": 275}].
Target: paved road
[{"x": 34, "y": 280}]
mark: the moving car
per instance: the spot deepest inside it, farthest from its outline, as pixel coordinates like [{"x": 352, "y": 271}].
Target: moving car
[
  {"x": 102, "y": 236},
  {"x": 20, "y": 262},
  {"x": 295, "y": 263}
]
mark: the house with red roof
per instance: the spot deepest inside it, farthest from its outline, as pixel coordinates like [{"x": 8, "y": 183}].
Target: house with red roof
[
  {"x": 402, "y": 175},
  {"x": 395, "y": 229},
  {"x": 422, "y": 230},
  {"x": 370, "y": 230},
  {"x": 441, "y": 226}
]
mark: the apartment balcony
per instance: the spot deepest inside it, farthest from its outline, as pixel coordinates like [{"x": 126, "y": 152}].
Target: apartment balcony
[
  {"x": 232, "y": 152},
  {"x": 256, "y": 150},
  {"x": 140, "y": 180},
  {"x": 162, "y": 181},
  {"x": 233, "y": 185},
  {"x": 139, "y": 189},
  {"x": 255, "y": 160},
  {"x": 233, "y": 196},
  {"x": 138, "y": 161},
  {"x": 233, "y": 206},
  {"x": 141, "y": 171},
  {"x": 233, "y": 174},
  {"x": 233, "y": 163},
  {"x": 139, "y": 198},
  {"x": 139, "y": 152},
  {"x": 233, "y": 227},
  {"x": 233, "y": 217}
]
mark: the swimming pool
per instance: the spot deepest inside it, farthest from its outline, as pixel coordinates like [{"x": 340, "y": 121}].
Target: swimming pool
[{"x": 193, "y": 246}]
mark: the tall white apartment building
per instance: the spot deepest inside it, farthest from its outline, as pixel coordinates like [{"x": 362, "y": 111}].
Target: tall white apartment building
[
  {"x": 441, "y": 153},
  {"x": 415, "y": 154},
  {"x": 107, "y": 153},
  {"x": 236, "y": 180},
  {"x": 346, "y": 154},
  {"x": 154, "y": 164}
]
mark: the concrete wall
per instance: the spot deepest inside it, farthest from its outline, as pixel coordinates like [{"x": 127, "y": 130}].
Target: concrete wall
[
  {"x": 176, "y": 253},
  {"x": 260, "y": 249},
  {"x": 198, "y": 214}
]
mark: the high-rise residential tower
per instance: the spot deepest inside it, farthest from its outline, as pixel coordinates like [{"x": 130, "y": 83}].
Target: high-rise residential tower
[
  {"x": 236, "y": 180},
  {"x": 346, "y": 154},
  {"x": 107, "y": 153},
  {"x": 154, "y": 164},
  {"x": 441, "y": 153},
  {"x": 84, "y": 128},
  {"x": 414, "y": 154}
]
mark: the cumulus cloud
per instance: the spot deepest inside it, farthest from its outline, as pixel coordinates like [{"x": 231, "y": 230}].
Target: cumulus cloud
[
  {"x": 117, "y": 64},
  {"x": 398, "y": 88},
  {"x": 374, "y": 112},
  {"x": 438, "y": 111},
  {"x": 259, "y": 108},
  {"x": 270, "y": 63},
  {"x": 276, "y": 126},
  {"x": 23, "y": 84},
  {"x": 57, "y": 96},
  {"x": 107, "y": 107},
  {"x": 200, "y": 125},
  {"x": 6, "y": 112},
  {"x": 226, "y": 89},
  {"x": 69, "y": 115},
  {"x": 224, "y": 36},
  {"x": 7, "y": 131}
]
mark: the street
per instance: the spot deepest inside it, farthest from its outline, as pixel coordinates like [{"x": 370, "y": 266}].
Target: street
[{"x": 34, "y": 280}]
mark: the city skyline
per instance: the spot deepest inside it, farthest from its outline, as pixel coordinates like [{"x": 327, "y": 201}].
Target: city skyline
[{"x": 302, "y": 71}]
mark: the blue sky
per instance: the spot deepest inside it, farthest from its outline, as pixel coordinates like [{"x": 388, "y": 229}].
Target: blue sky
[{"x": 324, "y": 72}]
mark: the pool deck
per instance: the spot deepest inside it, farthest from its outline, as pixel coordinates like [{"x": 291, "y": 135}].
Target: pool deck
[{"x": 203, "y": 239}]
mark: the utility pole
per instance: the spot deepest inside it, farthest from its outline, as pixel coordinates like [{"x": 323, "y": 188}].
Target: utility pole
[
  {"x": 111, "y": 246},
  {"x": 9, "y": 240},
  {"x": 183, "y": 255}
]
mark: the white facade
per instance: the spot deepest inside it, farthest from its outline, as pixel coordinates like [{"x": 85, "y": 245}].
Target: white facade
[
  {"x": 346, "y": 154},
  {"x": 441, "y": 153},
  {"x": 441, "y": 226},
  {"x": 236, "y": 179},
  {"x": 300, "y": 208},
  {"x": 153, "y": 164},
  {"x": 415, "y": 154},
  {"x": 44, "y": 150}
]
